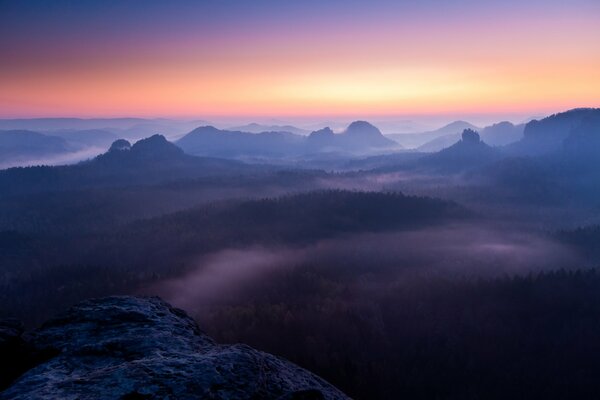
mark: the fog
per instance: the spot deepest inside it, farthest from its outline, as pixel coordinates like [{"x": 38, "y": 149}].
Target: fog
[
  {"x": 223, "y": 276},
  {"x": 56, "y": 159},
  {"x": 381, "y": 259}
]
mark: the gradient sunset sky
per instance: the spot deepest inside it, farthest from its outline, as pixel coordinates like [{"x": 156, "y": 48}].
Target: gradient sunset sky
[{"x": 284, "y": 58}]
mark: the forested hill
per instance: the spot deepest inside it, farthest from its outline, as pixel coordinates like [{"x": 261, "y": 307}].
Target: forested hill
[
  {"x": 148, "y": 161},
  {"x": 121, "y": 259}
]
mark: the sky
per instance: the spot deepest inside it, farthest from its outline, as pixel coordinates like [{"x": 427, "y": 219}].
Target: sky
[{"x": 205, "y": 59}]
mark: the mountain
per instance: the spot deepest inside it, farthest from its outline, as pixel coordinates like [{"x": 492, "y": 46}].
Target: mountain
[
  {"x": 363, "y": 133},
  {"x": 148, "y": 161},
  {"x": 502, "y": 133},
  {"x": 259, "y": 128},
  {"x": 155, "y": 148},
  {"x": 439, "y": 143},
  {"x": 414, "y": 140},
  {"x": 547, "y": 135},
  {"x": 469, "y": 152},
  {"x": 85, "y": 137},
  {"x": 210, "y": 141},
  {"x": 304, "y": 217},
  {"x": 129, "y": 128},
  {"x": 565, "y": 169},
  {"x": 21, "y": 145},
  {"x": 499, "y": 134},
  {"x": 359, "y": 137},
  {"x": 140, "y": 347},
  {"x": 583, "y": 143}
]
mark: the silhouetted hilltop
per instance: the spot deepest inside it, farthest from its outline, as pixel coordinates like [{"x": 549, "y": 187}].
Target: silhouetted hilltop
[
  {"x": 583, "y": 142},
  {"x": 547, "y": 135},
  {"x": 499, "y": 134},
  {"x": 321, "y": 140},
  {"x": 502, "y": 133},
  {"x": 415, "y": 140},
  {"x": 120, "y": 145},
  {"x": 564, "y": 169},
  {"x": 361, "y": 134},
  {"x": 142, "y": 347},
  {"x": 210, "y": 141},
  {"x": 469, "y": 152},
  {"x": 359, "y": 137},
  {"x": 362, "y": 129},
  {"x": 154, "y": 147},
  {"x": 150, "y": 152},
  {"x": 148, "y": 161}
]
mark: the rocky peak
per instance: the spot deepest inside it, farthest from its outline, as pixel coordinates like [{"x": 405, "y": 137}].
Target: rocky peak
[
  {"x": 362, "y": 128},
  {"x": 120, "y": 145},
  {"x": 139, "y": 347},
  {"x": 155, "y": 146},
  {"x": 321, "y": 133},
  {"x": 470, "y": 136}
]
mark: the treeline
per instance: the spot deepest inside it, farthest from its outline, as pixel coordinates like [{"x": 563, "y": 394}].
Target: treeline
[
  {"x": 526, "y": 337},
  {"x": 41, "y": 272}
]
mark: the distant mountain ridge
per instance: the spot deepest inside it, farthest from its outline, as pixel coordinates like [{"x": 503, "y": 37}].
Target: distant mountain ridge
[
  {"x": 258, "y": 128},
  {"x": 148, "y": 161},
  {"x": 469, "y": 152},
  {"x": 498, "y": 134},
  {"x": 17, "y": 145},
  {"x": 414, "y": 140},
  {"x": 129, "y": 128},
  {"x": 548, "y": 134},
  {"x": 359, "y": 137}
]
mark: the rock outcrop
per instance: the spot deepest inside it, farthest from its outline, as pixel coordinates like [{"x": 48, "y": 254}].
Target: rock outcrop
[
  {"x": 468, "y": 153},
  {"x": 470, "y": 136},
  {"x": 120, "y": 145},
  {"x": 142, "y": 348}
]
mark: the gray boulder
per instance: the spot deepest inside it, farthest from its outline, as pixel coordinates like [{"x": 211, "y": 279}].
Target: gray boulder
[{"x": 142, "y": 348}]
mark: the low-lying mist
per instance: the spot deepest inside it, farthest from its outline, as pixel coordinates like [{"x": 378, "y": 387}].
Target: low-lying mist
[
  {"x": 370, "y": 261},
  {"x": 56, "y": 159}
]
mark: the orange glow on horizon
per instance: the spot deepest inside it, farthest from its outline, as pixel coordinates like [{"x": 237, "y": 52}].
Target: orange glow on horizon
[{"x": 526, "y": 65}]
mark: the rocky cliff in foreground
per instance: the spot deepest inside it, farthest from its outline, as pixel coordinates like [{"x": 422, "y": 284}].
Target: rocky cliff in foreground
[{"x": 142, "y": 348}]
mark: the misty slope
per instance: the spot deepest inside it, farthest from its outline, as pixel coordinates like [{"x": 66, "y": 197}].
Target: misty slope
[
  {"x": 567, "y": 175},
  {"x": 123, "y": 258},
  {"x": 24, "y": 144},
  {"x": 150, "y": 178},
  {"x": 359, "y": 137},
  {"x": 499, "y": 134},
  {"x": 548, "y": 134},
  {"x": 148, "y": 161},
  {"x": 502, "y": 133},
  {"x": 310, "y": 216},
  {"x": 288, "y": 220},
  {"x": 86, "y": 137},
  {"x": 470, "y": 152},
  {"x": 414, "y": 140},
  {"x": 129, "y": 128}
]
